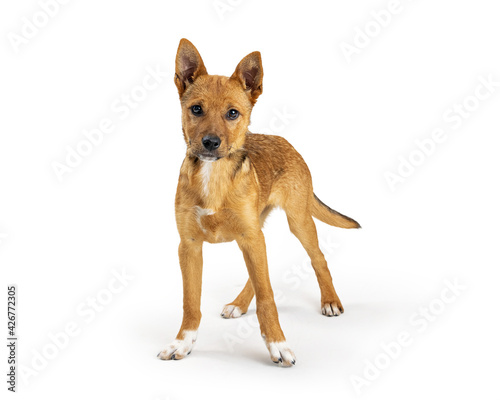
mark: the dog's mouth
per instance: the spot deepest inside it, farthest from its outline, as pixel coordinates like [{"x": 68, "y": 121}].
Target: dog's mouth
[{"x": 208, "y": 157}]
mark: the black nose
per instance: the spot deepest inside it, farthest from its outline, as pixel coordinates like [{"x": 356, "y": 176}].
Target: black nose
[{"x": 210, "y": 142}]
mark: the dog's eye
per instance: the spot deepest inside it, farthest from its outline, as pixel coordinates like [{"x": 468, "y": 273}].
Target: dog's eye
[
  {"x": 232, "y": 114},
  {"x": 197, "y": 110}
]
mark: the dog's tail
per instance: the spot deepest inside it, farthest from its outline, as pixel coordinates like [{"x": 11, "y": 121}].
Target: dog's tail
[{"x": 331, "y": 217}]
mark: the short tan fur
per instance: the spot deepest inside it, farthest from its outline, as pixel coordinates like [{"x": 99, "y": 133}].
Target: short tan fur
[{"x": 229, "y": 182}]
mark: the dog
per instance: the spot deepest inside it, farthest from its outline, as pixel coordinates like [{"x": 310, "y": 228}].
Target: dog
[{"x": 229, "y": 182}]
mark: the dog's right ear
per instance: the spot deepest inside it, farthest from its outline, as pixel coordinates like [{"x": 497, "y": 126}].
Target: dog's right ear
[{"x": 188, "y": 65}]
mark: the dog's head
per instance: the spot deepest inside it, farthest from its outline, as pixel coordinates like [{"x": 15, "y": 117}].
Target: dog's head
[{"x": 215, "y": 109}]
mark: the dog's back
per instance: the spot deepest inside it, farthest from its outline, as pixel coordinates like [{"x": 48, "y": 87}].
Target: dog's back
[{"x": 285, "y": 180}]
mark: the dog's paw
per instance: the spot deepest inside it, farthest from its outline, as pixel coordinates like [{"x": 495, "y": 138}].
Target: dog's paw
[
  {"x": 231, "y": 311},
  {"x": 281, "y": 354},
  {"x": 179, "y": 349},
  {"x": 333, "y": 309}
]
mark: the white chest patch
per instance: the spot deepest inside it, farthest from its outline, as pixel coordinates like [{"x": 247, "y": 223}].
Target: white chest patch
[
  {"x": 205, "y": 172},
  {"x": 200, "y": 212}
]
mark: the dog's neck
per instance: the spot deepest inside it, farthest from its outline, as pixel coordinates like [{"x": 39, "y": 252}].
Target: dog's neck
[{"x": 215, "y": 181}]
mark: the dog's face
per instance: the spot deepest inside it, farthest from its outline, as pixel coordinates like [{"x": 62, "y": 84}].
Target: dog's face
[{"x": 215, "y": 109}]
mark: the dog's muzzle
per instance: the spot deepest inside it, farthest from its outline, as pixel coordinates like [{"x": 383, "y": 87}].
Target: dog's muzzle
[{"x": 211, "y": 143}]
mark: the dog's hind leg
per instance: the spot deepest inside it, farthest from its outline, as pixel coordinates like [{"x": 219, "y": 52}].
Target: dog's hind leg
[
  {"x": 239, "y": 306},
  {"x": 303, "y": 227}
]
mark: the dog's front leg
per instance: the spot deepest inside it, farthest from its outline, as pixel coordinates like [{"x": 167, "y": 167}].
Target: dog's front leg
[
  {"x": 191, "y": 262},
  {"x": 253, "y": 247}
]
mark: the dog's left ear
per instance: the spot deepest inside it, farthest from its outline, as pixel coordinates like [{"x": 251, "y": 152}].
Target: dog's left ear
[{"x": 249, "y": 73}]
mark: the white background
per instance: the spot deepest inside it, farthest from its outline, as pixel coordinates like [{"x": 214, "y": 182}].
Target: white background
[{"x": 60, "y": 241}]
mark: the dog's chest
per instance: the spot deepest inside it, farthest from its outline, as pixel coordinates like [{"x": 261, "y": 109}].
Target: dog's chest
[
  {"x": 213, "y": 185},
  {"x": 216, "y": 227},
  {"x": 210, "y": 214},
  {"x": 204, "y": 176}
]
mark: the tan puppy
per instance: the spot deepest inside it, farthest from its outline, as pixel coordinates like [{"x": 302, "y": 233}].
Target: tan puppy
[{"x": 229, "y": 182}]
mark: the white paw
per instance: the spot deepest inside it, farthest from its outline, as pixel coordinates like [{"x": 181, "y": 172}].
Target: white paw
[
  {"x": 331, "y": 310},
  {"x": 179, "y": 349},
  {"x": 230, "y": 311},
  {"x": 281, "y": 354}
]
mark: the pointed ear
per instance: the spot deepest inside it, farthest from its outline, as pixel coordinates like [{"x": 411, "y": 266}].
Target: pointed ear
[
  {"x": 249, "y": 73},
  {"x": 188, "y": 65}
]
